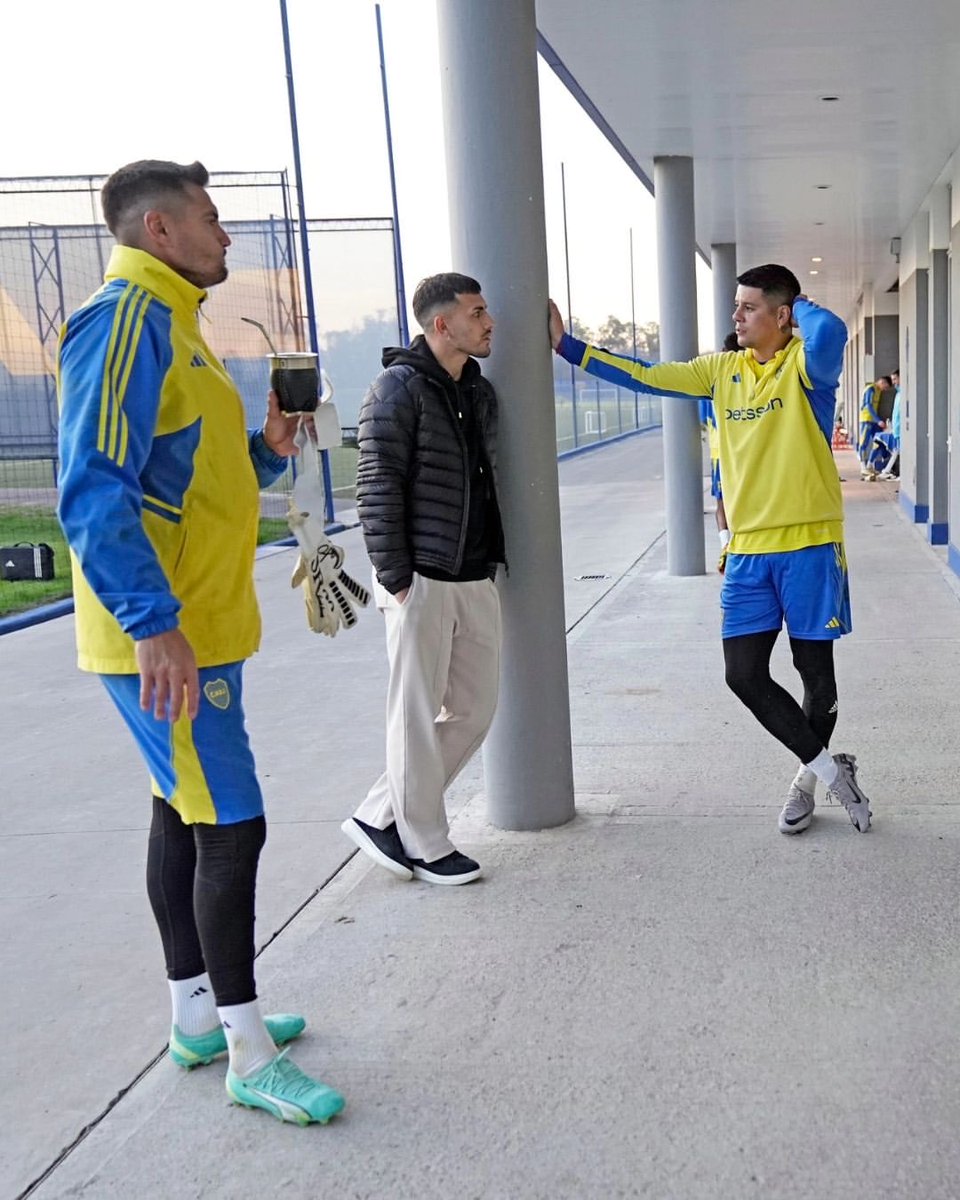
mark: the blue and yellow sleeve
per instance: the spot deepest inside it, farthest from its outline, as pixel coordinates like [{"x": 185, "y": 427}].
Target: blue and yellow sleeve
[
  {"x": 267, "y": 465},
  {"x": 683, "y": 380},
  {"x": 824, "y": 337},
  {"x": 113, "y": 357}
]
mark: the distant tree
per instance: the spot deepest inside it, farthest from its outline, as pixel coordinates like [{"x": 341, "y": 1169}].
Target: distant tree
[
  {"x": 617, "y": 335},
  {"x": 648, "y": 341},
  {"x": 581, "y": 331}
]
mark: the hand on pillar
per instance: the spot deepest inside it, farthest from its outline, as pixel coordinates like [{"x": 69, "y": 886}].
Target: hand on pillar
[{"x": 554, "y": 324}]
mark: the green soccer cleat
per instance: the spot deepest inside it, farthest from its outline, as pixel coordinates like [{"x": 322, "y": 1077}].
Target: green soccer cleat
[
  {"x": 203, "y": 1048},
  {"x": 282, "y": 1089}
]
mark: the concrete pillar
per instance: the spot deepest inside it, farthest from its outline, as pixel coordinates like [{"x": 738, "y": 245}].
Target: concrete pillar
[
  {"x": 723, "y": 260},
  {"x": 850, "y": 406},
  {"x": 682, "y": 455},
  {"x": 488, "y": 62},
  {"x": 914, "y": 361},
  {"x": 938, "y": 383},
  {"x": 953, "y": 549},
  {"x": 914, "y": 456}
]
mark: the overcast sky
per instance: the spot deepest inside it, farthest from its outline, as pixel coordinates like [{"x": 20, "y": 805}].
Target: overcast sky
[{"x": 101, "y": 83}]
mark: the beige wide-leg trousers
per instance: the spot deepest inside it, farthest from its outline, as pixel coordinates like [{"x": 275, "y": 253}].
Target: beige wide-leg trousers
[{"x": 443, "y": 644}]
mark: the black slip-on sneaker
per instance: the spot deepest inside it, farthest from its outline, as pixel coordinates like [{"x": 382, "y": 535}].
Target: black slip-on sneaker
[
  {"x": 382, "y": 845},
  {"x": 453, "y": 868}
]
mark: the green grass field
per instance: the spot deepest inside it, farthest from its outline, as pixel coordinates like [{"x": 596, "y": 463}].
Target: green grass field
[{"x": 33, "y": 524}]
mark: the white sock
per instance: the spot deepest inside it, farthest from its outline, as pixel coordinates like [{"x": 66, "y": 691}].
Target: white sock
[
  {"x": 194, "y": 1009},
  {"x": 806, "y": 780},
  {"x": 824, "y": 768},
  {"x": 248, "y": 1039}
]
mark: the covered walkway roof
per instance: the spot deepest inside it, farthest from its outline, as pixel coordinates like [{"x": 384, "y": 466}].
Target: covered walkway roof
[{"x": 741, "y": 87}]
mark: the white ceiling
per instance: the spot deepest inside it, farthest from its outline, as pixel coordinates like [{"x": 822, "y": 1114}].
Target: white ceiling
[{"x": 736, "y": 84}]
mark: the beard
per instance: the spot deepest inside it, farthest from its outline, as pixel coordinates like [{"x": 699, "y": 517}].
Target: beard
[{"x": 205, "y": 279}]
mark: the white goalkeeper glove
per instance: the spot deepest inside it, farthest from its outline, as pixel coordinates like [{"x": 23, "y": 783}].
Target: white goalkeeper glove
[{"x": 330, "y": 593}]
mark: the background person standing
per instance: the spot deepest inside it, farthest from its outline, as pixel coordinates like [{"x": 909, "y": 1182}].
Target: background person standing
[
  {"x": 870, "y": 422},
  {"x": 892, "y": 467}
]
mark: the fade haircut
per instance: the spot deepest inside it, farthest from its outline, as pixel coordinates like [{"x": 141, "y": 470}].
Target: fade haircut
[
  {"x": 777, "y": 283},
  {"x": 438, "y": 292},
  {"x": 139, "y": 186}
]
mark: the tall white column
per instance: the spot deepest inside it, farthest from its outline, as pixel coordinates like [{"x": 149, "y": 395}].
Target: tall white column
[
  {"x": 682, "y": 453},
  {"x": 488, "y": 60},
  {"x": 723, "y": 260}
]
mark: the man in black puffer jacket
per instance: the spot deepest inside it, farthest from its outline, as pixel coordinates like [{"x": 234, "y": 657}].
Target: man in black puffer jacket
[{"x": 427, "y": 499}]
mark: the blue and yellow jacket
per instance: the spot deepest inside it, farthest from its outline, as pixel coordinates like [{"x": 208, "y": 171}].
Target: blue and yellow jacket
[
  {"x": 774, "y": 421},
  {"x": 870, "y": 404},
  {"x": 159, "y": 479}
]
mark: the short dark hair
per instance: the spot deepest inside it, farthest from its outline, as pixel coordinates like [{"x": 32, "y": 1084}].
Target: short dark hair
[
  {"x": 776, "y": 282},
  {"x": 439, "y": 291},
  {"x": 138, "y": 187},
  {"x": 730, "y": 341},
  {"x": 886, "y": 378}
]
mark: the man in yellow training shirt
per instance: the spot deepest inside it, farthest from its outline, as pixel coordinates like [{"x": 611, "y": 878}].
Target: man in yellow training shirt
[{"x": 774, "y": 400}]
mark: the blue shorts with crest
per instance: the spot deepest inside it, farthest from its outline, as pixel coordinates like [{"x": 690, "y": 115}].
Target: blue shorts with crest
[
  {"x": 203, "y": 768},
  {"x": 808, "y": 590}
]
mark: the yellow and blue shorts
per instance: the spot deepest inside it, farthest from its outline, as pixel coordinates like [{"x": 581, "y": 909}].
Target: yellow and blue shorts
[
  {"x": 203, "y": 768},
  {"x": 807, "y": 589}
]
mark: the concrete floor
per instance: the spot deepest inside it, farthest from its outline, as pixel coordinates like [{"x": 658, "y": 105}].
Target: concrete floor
[{"x": 664, "y": 998}]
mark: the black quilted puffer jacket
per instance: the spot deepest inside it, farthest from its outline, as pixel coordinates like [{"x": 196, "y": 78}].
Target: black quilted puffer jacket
[{"x": 413, "y": 474}]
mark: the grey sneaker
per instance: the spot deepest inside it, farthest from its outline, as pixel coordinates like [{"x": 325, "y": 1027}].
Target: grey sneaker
[
  {"x": 798, "y": 810},
  {"x": 847, "y": 792}
]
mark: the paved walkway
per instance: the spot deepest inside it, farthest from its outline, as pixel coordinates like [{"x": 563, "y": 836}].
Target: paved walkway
[{"x": 665, "y": 998}]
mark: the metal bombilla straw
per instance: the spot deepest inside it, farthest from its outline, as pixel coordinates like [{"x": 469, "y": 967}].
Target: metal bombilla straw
[{"x": 251, "y": 321}]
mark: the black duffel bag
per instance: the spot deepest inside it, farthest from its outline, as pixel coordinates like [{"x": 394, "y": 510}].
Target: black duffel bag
[{"x": 26, "y": 560}]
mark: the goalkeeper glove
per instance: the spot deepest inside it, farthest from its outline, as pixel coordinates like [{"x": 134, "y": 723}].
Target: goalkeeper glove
[
  {"x": 329, "y": 592},
  {"x": 724, "y": 536}
]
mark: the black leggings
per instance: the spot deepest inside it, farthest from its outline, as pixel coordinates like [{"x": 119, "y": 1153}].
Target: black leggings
[
  {"x": 202, "y": 883},
  {"x": 804, "y": 731}
]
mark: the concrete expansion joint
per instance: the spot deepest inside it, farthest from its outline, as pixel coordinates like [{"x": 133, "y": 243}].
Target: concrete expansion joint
[{"x": 582, "y": 620}]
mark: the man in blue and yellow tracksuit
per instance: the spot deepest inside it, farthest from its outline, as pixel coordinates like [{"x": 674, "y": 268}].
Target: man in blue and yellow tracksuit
[
  {"x": 159, "y": 500},
  {"x": 869, "y": 421},
  {"x": 774, "y": 401}
]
